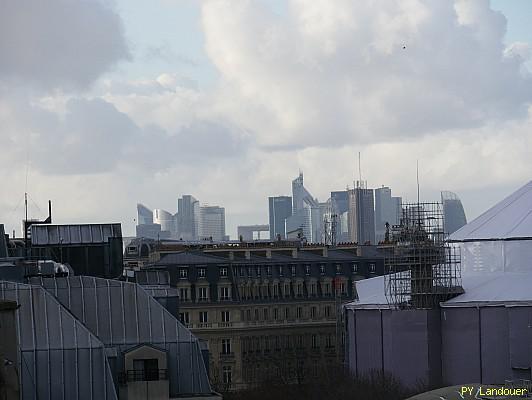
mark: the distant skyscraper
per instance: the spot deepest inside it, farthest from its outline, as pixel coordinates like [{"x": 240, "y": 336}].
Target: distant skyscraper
[
  {"x": 212, "y": 223},
  {"x": 144, "y": 215},
  {"x": 361, "y": 215},
  {"x": 166, "y": 220},
  {"x": 387, "y": 209},
  {"x": 280, "y": 208},
  {"x": 187, "y": 218},
  {"x": 305, "y": 212},
  {"x": 453, "y": 212},
  {"x": 340, "y": 207},
  {"x": 146, "y": 228}
]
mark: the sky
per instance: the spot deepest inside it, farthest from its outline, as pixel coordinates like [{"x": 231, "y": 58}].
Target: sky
[{"x": 104, "y": 104}]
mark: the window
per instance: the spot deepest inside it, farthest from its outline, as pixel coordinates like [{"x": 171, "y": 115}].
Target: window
[
  {"x": 372, "y": 268},
  {"x": 327, "y": 311},
  {"x": 300, "y": 312},
  {"x": 314, "y": 341},
  {"x": 202, "y": 294},
  {"x": 293, "y": 270},
  {"x": 266, "y": 314},
  {"x": 248, "y": 315},
  {"x": 354, "y": 268},
  {"x": 329, "y": 341},
  {"x": 287, "y": 313},
  {"x": 226, "y": 316},
  {"x": 203, "y": 317},
  {"x": 307, "y": 269},
  {"x": 313, "y": 289},
  {"x": 226, "y": 346},
  {"x": 225, "y": 293},
  {"x": 277, "y": 343},
  {"x": 299, "y": 290},
  {"x": 327, "y": 289},
  {"x": 223, "y": 271},
  {"x": 201, "y": 272},
  {"x": 286, "y": 290},
  {"x": 299, "y": 341},
  {"x": 322, "y": 269},
  {"x": 241, "y": 271},
  {"x": 313, "y": 312},
  {"x": 132, "y": 249},
  {"x": 257, "y": 270},
  {"x": 183, "y": 294},
  {"x": 183, "y": 273},
  {"x": 338, "y": 269},
  {"x": 144, "y": 370},
  {"x": 256, "y": 314},
  {"x": 275, "y": 314},
  {"x": 249, "y": 271},
  {"x": 269, "y": 271},
  {"x": 227, "y": 374},
  {"x": 280, "y": 270},
  {"x": 276, "y": 290},
  {"x": 184, "y": 317}
]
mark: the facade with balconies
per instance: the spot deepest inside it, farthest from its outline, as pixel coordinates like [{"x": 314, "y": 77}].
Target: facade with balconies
[{"x": 267, "y": 312}]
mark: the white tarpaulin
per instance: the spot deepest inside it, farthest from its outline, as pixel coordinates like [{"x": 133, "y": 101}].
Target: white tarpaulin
[
  {"x": 499, "y": 240},
  {"x": 510, "y": 218}
]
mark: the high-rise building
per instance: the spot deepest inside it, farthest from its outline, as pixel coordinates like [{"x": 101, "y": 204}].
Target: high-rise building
[
  {"x": 280, "y": 208},
  {"x": 305, "y": 212},
  {"x": 146, "y": 227},
  {"x": 453, "y": 212},
  {"x": 387, "y": 209},
  {"x": 340, "y": 207},
  {"x": 144, "y": 215},
  {"x": 212, "y": 223},
  {"x": 167, "y": 222},
  {"x": 187, "y": 217},
  {"x": 361, "y": 214}
]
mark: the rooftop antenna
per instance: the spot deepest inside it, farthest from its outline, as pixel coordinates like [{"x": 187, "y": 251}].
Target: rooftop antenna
[
  {"x": 359, "y": 169},
  {"x": 417, "y": 180}
]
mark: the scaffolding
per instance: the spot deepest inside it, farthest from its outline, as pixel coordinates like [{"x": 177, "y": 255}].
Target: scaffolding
[{"x": 422, "y": 270}]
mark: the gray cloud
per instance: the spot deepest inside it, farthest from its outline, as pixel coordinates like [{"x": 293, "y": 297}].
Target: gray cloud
[{"x": 59, "y": 43}]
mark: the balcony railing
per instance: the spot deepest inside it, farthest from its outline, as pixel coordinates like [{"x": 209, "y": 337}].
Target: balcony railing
[{"x": 136, "y": 375}]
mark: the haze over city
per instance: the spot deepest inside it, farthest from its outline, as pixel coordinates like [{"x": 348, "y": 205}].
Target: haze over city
[{"x": 228, "y": 101}]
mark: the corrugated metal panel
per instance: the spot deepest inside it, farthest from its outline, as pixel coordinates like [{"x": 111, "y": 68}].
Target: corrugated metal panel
[
  {"x": 43, "y": 235},
  {"x": 60, "y": 357},
  {"x": 460, "y": 346},
  {"x": 123, "y": 315},
  {"x": 152, "y": 277}
]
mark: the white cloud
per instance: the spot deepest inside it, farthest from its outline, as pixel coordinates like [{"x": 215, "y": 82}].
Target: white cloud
[
  {"x": 332, "y": 73},
  {"x": 396, "y": 80}
]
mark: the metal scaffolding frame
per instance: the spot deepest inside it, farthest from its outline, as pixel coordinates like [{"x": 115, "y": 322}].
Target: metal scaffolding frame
[{"x": 422, "y": 270}]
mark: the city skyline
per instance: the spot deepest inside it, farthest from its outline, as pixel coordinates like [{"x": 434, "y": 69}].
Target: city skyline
[{"x": 219, "y": 100}]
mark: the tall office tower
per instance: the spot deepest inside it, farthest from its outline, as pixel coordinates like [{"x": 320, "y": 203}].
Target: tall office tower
[
  {"x": 144, "y": 215},
  {"x": 361, "y": 214},
  {"x": 280, "y": 208},
  {"x": 212, "y": 223},
  {"x": 306, "y": 213},
  {"x": 340, "y": 207},
  {"x": 387, "y": 209},
  {"x": 167, "y": 222},
  {"x": 453, "y": 212},
  {"x": 187, "y": 217},
  {"x": 146, "y": 228}
]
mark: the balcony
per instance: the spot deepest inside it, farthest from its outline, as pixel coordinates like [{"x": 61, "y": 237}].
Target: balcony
[{"x": 139, "y": 375}]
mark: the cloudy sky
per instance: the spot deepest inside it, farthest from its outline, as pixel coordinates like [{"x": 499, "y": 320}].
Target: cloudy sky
[{"x": 104, "y": 104}]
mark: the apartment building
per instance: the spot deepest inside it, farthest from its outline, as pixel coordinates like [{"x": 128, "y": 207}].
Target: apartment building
[{"x": 267, "y": 311}]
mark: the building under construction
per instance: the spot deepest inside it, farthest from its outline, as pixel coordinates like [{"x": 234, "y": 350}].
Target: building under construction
[
  {"x": 417, "y": 324},
  {"x": 421, "y": 269}
]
